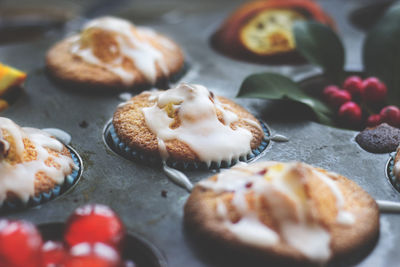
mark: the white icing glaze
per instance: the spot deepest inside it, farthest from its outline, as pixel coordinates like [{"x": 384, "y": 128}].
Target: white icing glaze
[
  {"x": 125, "y": 96},
  {"x": 283, "y": 187},
  {"x": 250, "y": 229},
  {"x": 19, "y": 178},
  {"x": 200, "y": 129},
  {"x": 253, "y": 123},
  {"x": 61, "y": 135},
  {"x": 178, "y": 177},
  {"x": 279, "y": 138},
  {"x": 133, "y": 44},
  {"x": 343, "y": 216},
  {"x": 313, "y": 240}
]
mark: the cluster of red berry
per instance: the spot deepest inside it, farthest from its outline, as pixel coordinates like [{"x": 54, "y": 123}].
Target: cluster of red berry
[
  {"x": 357, "y": 93},
  {"x": 93, "y": 238}
]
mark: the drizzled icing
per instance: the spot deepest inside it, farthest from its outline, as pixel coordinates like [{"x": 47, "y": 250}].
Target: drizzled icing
[
  {"x": 196, "y": 109},
  {"x": 19, "y": 176},
  {"x": 282, "y": 185},
  {"x": 132, "y": 43}
]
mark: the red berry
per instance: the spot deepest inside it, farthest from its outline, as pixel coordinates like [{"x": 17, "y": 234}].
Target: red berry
[
  {"x": 339, "y": 97},
  {"x": 328, "y": 91},
  {"x": 374, "y": 120},
  {"x": 53, "y": 254},
  {"x": 374, "y": 90},
  {"x": 92, "y": 255},
  {"x": 94, "y": 223},
  {"x": 350, "y": 113},
  {"x": 391, "y": 115},
  {"x": 354, "y": 85},
  {"x": 20, "y": 244}
]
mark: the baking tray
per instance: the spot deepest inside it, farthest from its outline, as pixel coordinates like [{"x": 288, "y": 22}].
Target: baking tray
[{"x": 134, "y": 190}]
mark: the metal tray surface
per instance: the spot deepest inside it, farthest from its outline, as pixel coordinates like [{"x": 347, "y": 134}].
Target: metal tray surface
[{"x": 132, "y": 189}]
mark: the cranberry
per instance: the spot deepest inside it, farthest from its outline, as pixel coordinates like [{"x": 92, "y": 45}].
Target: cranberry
[
  {"x": 92, "y": 255},
  {"x": 374, "y": 120},
  {"x": 53, "y": 254},
  {"x": 335, "y": 97},
  {"x": 350, "y": 113},
  {"x": 328, "y": 91},
  {"x": 354, "y": 85},
  {"x": 339, "y": 97},
  {"x": 374, "y": 90},
  {"x": 20, "y": 244},
  {"x": 391, "y": 115},
  {"x": 94, "y": 223}
]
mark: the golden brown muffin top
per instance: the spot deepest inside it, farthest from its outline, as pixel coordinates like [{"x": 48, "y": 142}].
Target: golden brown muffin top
[
  {"x": 123, "y": 49},
  {"x": 188, "y": 123},
  {"x": 292, "y": 209}
]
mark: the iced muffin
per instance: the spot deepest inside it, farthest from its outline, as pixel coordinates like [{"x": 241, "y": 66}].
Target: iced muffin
[
  {"x": 32, "y": 163},
  {"x": 113, "y": 53},
  {"x": 187, "y": 123},
  {"x": 290, "y": 212}
]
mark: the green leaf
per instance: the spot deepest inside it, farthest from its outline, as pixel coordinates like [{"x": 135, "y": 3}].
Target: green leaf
[
  {"x": 321, "y": 46},
  {"x": 381, "y": 52},
  {"x": 276, "y": 86}
]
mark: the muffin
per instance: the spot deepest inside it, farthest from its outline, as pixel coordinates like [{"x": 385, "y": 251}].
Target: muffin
[
  {"x": 112, "y": 53},
  {"x": 288, "y": 212},
  {"x": 382, "y": 138},
  {"x": 396, "y": 165},
  {"x": 261, "y": 30},
  {"x": 32, "y": 163},
  {"x": 187, "y": 123}
]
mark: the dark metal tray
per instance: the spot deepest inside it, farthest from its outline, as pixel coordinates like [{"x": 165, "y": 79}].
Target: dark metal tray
[{"x": 133, "y": 189}]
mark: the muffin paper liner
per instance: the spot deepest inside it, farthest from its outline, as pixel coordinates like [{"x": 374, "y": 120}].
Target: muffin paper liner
[
  {"x": 69, "y": 181},
  {"x": 132, "y": 154},
  {"x": 390, "y": 173}
]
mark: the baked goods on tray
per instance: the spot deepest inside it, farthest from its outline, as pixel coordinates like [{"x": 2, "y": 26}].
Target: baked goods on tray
[
  {"x": 290, "y": 212},
  {"x": 113, "y": 53},
  {"x": 32, "y": 164},
  {"x": 187, "y": 123}
]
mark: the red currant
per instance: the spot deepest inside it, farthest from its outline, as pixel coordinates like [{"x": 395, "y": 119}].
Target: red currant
[
  {"x": 374, "y": 120},
  {"x": 94, "y": 223},
  {"x": 350, "y": 113},
  {"x": 354, "y": 85},
  {"x": 391, "y": 115},
  {"x": 328, "y": 91},
  {"x": 92, "y": 255},
  {"x": 339, "y": 97},
  {"x": 53, "y": 254},
  {"x": 374, "y": 90},
  {"x": 20, "y": 244}
]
